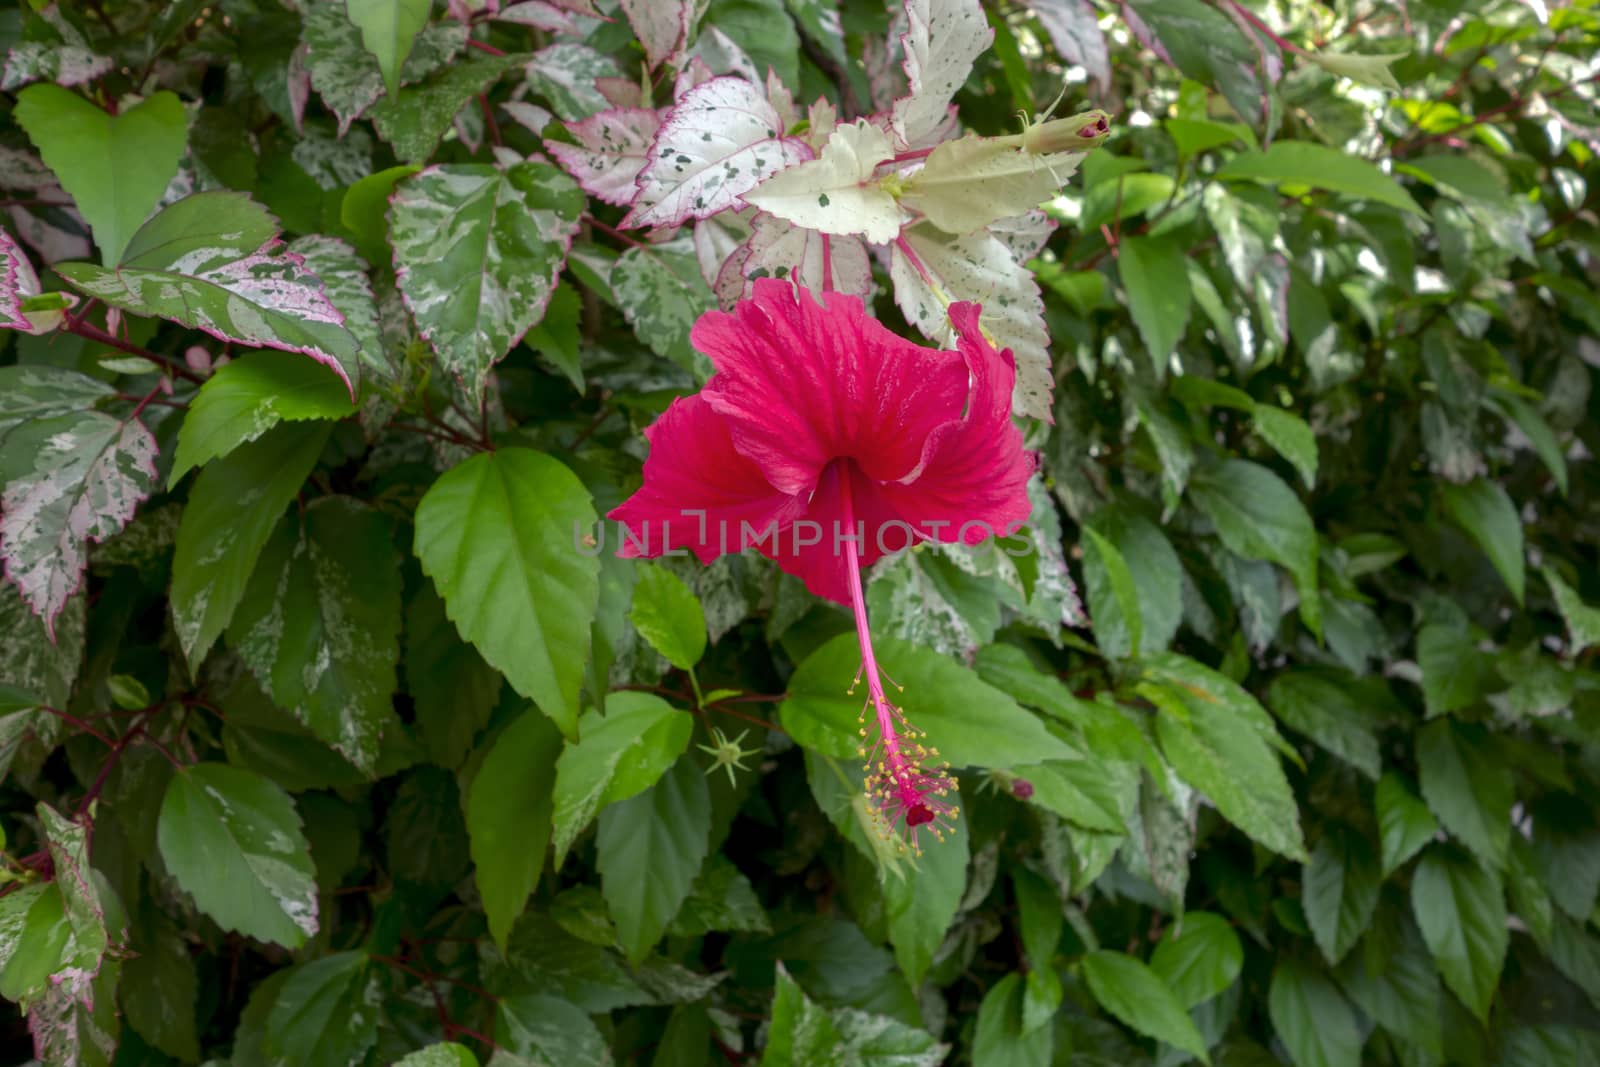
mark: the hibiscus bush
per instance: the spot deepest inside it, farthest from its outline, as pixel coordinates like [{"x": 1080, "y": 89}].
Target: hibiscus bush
[{"x": 800, "y": 532}]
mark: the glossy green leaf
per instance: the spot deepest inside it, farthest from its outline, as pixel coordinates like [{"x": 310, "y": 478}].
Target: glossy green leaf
[
  {"x": 508, "y": 817},
  {"x": 388, "y": 27},
  {"x": 1312, "y": 1019},
  {"x": 1404, "y": 820},
  {"x": 668, "y": 615},
  {"x": 1306, "y": 164},
  {"x": 1259, "y": 517},
  {"x": 1198, "y": 957},
  {"x": 1140, "y": 998},
  {"x": 1461, "y": 910},
  {"x": 1339, "y": 890}
]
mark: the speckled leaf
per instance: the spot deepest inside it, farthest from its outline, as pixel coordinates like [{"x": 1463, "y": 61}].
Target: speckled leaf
[
  {"x": 983, "y": 267},
  {"x": 347, "y": 76},
  {"x": 538, "y": 1030},
  {"x": 1073, "y": 27},
  {"x": 478, "y": 251},
  {"x": 86, "y": 915},
  {"x": 75, "y": 1023},
  {"x": 69, "y": 479},
  {"x": 836, "y": 192},
  {"x": 326, "y": 1013},
  {"x": 63, "y": 64},
  {"x": 568, "y": 76},
  {"x": 345, "y": 284},
  {"x": 388, "y": 28},
  {"x": 779, "y": 249},
  {"x": 662, "y": 26},
  {"x": 319, "y": 624},
  {"x": 232, "y": 840},
  {"x": 1583, "y": 621},
  {"x": 210, "y": 261},
  {"x": 720, "y": 141},
  {"x": 417, "y": 118},
  {"x": 232, "y": 509},
  {"x": 247, "y": 397},
  {"x": 661, "y": 294},
  {"x": 17, "y": 279},
  {"x": 969, "y": 183},
  {"x": 611, "y": 150},
  {"x": 496, "y": 534},
  {"x": 31, "y": 662},
  {"x": 444, "y": 1054},
  {"x": 942, "y": 39}
]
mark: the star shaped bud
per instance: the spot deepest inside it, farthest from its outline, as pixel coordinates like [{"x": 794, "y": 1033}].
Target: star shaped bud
[{"x": 727, "y": 754}]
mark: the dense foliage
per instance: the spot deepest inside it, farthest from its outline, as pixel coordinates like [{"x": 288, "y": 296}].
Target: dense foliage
[{"x": 333, "y": 731}]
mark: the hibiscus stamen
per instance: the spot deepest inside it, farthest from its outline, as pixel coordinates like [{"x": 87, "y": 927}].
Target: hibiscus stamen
[{"x": 906, "y": 779}]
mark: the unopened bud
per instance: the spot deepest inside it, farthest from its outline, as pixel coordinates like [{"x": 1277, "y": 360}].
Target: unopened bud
[
  {"x": 1021, "y": 788},
  {"x": 1079, "y": 133}
]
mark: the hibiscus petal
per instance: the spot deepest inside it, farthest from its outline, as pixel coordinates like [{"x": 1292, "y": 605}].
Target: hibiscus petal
[
  {"x": 974, "y": 482},
  {"x": 699, "y": 492},
  {"x": 804, "y": 383}
]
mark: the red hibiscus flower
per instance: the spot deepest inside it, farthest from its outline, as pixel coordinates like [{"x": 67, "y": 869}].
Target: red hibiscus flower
[{"x": 825, "y": 442}]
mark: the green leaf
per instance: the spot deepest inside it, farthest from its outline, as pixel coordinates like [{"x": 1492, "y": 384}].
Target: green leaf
[
  {"x": 364, "y": 210},
  {"x": 232, "y": 509},
  {"x": 232, "y": 840},
  {"x": 1461, "y": 911},
  {"x": 319, "y": 624},
  {"x": 498, "y": 535},
  {"x": 1304, "y": 164},
  {"x": 508, "y": 818},
  {"x": 444, "y": 1054},
  {"x": 618, "y": 755},
  {"x": 504, "y": 236},
  {"x": 1339, "y": 890},
  {"x": 1369, "y": 70},
  {"x": 650, "y": 848},
  {"x": 1404, "y": 822},
  {"x": 1393, "y": 980},
  {"x": 1198, "y": 957},
  {"x": 346, "y": 74},
  {"x": 803, "y": 1033},
  {"x": 1207, "y": 46},
  {"x": 662, "y": 294},
  {"x": 969, "y": 722},
  {"x": 920, "y": 907},
  {"x": 1325, "y": 710},
  {"x": 160, "y": 986},
  {"x": 1106, "y": 571},
  {"x": 208, "y": 262},
  {"x": 1141, "y": 1000},
  {"x": 246, "y": 398},
  {"x": 1291, "y": 437},
  {"x": 79, "y": 141},
  {"x": 1484, "y": 510},
  {"x": 453, "y": 689},
  {"x": 1454, "y": 671},
  {"x": 999, "y": 1039},
  {"x": 1468, "y": 786},
  {"x": 1157, "y": 581},
  {"x": 33, "y": 919},
  {"x": 326, "y": 1013},
  {"x": 1583, "y": 621},
  {"x": 388, "y": 27},
  {"x": 668, "y": 615},
  {"x": 546, "y": 1031},
  {"x": 1314, "y": 1022},
  {"x": 1157, "y": 284},
  {"x": 722, "y": 899},
  {"x": 1259, "y": 517},
  {"x": 557, "y": 335},
  {"x": 415, "y": 120}
]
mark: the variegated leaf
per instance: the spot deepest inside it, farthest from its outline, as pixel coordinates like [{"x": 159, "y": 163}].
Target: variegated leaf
[
  {"x": 211, "y": 262},
  {"x": 17, "y": 279},
  {"x": 611, "y": 150},
  {"x": 718, "y": 238},
  {"x": 568, "y": 75},
  {"x": 969, "y": 183},
  {"x": 929, "y": 267},
  {"x": 837, "y": 193},
  {"x": 415, "y": 121},
  {"x": 343, "y": 274},
  {"x": 75, "y": 1023},
  {"x": 662, "y": 26},
  {"x": 319, "y": 624},
  {"x": 477, "y": 254},
  {"x": 346, "y": 75},
  {"x": 716, "y": 144},
  {"x": 64, "y": 64},
  {"x": 388, "y": 28},
  {"x": 541, "y": 15},
  {"x": 332, "y": 162},
  {"x": 778, "y": 249},
  {"x": 36, "y": 661},
  {"x": 69, "y": 479},
  {"x": 661, "y": 294},
  {"x": 1074, "y": 28},
  {"x": 942, "y": 39}
]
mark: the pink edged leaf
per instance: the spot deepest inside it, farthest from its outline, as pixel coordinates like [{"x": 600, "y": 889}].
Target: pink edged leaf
[
  {"x": 721, "y": 54},
  {"x": 1074, "y": 28},
  {"x": 622, "y": 92},
  {"x": 612, "y": 148},
  {"x": 540, "y": 15},
  {"x": 17, "y": 280},
  {"x": 717, "y": 143},
  {"x": 212, "y": 262},
  {"x": 508, "y": 232},
  {"x": 942, "y": 39},
  {"x": 568, "y": 76},
  {"x": 988, "y": 267},
  {"x": 780, "y": 249},
  {"x": 662, "y": 26},
  {"x": 717, "y": 238},
  {"x": 79, "y": 478}
]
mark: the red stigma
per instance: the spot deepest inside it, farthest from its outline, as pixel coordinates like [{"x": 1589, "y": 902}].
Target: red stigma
[{"x": 918, "y": 814}]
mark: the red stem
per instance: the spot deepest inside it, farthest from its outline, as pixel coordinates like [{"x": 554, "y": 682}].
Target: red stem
[{"x": 1266, "y": 30}]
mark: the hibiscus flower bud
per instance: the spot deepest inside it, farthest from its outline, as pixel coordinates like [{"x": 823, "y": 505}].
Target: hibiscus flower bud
[
  {"x": 1079, "y": 133},
  {"x": 1022, "y": 789}
]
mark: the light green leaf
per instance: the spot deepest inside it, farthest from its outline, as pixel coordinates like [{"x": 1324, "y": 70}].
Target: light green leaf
[
  {"x": 232, "y": 510},
  {"x": 364, "y": 211},
  {"x": 1259, "y": 517},
  {"x": 1141, "y": 1000},
  {"x": 1583, "y": 621},
  {"x": 1314, "y": 1022},
  {"x": 444, "y": 1054},
  {"x": 650, "y": 848},
  {"x": 1306, "y": 164},
  {"x": 1157, "y": 283},
  {"x": 668, "y": 615},
  {"x": 1468, "y": 786},
  {"x": 1339, "y": 890},
  {"x": 319, "y": 624},
  {"x": 1291, "y": 437},
  {"x": 247, "y": 397},
  {"x": 836, "y": 193},
  {"x": 388, "y": 27},
  {"x": 920, "y": 907},
  {"x": 804, "y": 1033},
  {"x": 1461, "y": 910},
  {"x": 78, "y": 141},
  {"x": 232, "y": 841},
  {"x": 499, "y": 536},
  {"x": 477, "y": 252},
  {"x": 1484, "y": 510},
  {"x": 1370, "y": 70},
  {"x": 1198, "y": 957},
  {"x": 970, "y": 182},
  {"x": 618, "y": 755},
  {"x": 969, "y": 722},
  {"x": 38, "y": 936},
  {"x": 508, "y": 818},
  {"x": 1157, "y": 580},
  {"x": 999, "y": 1038},
  {"x": 1404, "y": 821},
  {"x": 1113, "y": 596},
  {"x": 346, "y": 74}
]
